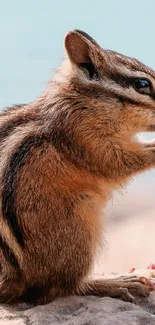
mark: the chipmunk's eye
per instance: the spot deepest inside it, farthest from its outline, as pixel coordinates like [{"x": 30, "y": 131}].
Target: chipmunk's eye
[{"x": 143, "y": 86}]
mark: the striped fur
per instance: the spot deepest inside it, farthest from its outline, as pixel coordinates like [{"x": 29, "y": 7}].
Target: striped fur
[
  {"x": 10, "y": 257},
  {"x": 61, "y": 156}
]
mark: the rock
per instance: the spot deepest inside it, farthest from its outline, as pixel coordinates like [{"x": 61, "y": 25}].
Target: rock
[{"x": 76, "y": 310}]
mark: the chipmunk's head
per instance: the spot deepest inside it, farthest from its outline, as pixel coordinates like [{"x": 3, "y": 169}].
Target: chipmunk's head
[{"x": 120, "y": 91}]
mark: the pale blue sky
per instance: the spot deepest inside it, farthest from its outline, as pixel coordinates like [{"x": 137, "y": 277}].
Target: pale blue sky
[{"x": 32, "y": 32}]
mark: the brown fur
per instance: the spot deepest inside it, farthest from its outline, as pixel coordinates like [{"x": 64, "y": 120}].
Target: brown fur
[{"x": 61, "y": 158}]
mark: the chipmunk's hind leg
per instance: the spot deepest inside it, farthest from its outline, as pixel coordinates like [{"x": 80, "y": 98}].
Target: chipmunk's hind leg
[{"x": 125, "y": 290}]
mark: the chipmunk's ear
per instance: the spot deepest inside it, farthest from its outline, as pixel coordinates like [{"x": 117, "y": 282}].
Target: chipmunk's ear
[{"x": 79, "y": 47}]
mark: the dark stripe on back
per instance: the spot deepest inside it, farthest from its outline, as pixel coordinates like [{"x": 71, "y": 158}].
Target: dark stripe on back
[
  {"x": 61, "y": 142},
  {"x": 11, "y": 124},
  {"x": 8, "y": 254},
  {"x": 5, "y": 130},
  {"x": 9, "y": 184}
]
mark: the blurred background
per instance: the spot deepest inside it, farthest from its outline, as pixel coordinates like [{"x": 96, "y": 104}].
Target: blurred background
[{"x": 31, "y": 38}]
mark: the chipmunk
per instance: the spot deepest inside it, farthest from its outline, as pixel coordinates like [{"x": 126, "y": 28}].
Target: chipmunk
[{"x": 61, "y": 157}]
